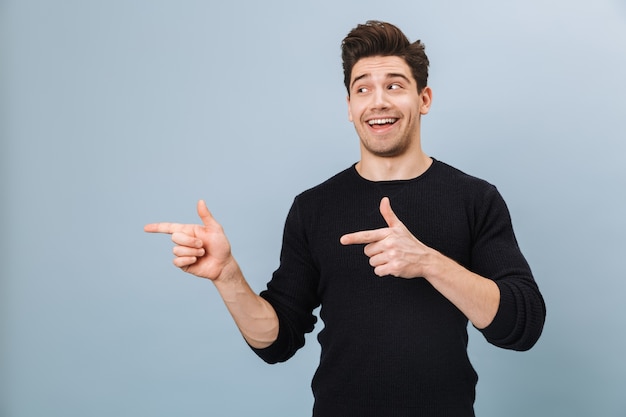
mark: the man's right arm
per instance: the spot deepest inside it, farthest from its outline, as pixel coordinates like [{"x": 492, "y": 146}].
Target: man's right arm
[
  {"x": 255, "y": 317},
  {"x": 204, "y": 251}
]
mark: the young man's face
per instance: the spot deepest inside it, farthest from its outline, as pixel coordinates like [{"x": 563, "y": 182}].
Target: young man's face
[{"x": 384, "y": 105}]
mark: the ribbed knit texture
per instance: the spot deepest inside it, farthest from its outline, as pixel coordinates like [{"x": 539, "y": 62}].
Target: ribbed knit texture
[{"x": 393, "y": 346}]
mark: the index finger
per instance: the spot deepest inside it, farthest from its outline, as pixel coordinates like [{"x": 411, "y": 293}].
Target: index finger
[
  {"x": 364, "y": 236},
  {"x": 168, "y": 228}
]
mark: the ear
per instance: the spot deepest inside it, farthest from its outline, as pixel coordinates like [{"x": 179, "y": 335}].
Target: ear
[
  {"x": 349, "y": 111},
  {"x": 427, "y": 99}
]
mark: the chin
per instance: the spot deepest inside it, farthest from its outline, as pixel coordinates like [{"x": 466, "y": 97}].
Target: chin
[{"x": 386, "y": 152}]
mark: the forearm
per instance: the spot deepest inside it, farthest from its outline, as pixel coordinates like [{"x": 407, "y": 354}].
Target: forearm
[
  {"x": 475, "y": 296},
  {"x": 255, "y": 317}
]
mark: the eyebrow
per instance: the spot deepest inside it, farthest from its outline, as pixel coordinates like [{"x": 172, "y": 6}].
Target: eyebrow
[{"x": 387, "y": 76}]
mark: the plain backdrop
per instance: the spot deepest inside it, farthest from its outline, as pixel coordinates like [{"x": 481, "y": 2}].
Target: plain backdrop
[{"x": 117, "y": 113}]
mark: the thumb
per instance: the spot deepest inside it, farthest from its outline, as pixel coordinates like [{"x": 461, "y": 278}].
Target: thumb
[
  {"x": 205, "y": 214},
  {"x": 390, "y": 217}
]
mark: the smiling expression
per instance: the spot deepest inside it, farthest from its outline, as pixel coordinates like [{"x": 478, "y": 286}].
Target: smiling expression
[{"x": 385, "y": 106}]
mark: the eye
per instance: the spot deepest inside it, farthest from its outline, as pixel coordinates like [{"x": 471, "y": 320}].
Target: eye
[
  {"x": 362, "y": 90},
  {"x": 394, "y": 86}
]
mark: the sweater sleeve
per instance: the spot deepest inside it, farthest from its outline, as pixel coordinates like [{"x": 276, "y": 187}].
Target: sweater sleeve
[
  {"x": 292, "y": 291},
  {"x": 496, "y": 255}
]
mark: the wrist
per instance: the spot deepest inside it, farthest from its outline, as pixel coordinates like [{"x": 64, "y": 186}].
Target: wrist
[
  {"x": 438, "y": 266},
  {"x": 229, "y": 273}
]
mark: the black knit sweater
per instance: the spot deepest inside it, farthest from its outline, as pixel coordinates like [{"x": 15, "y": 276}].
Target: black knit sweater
[{"x": 393, "y": 346}]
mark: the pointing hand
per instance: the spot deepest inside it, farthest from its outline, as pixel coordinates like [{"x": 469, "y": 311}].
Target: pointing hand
[
  {"x": 392, "y": 250},
  {"x": 202, "y": 250}
]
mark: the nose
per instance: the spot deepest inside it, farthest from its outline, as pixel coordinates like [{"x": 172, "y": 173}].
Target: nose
[{"x": 380, "y": 99}]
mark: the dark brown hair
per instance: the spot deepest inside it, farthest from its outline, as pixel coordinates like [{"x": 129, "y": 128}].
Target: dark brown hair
[{"x": 375, "y": 38}]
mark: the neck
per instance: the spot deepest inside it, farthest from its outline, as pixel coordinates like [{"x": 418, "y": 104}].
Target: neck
[{"x": 404, "y": 167}]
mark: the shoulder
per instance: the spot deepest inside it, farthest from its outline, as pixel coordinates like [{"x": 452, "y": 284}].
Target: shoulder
[
  {"x": 323, "y": 202},
  {"x": 335, "y": 185},
  {"x": 456, "y": 177},
  {"x": 460, "y": 181},
  {"x": 464, "y": 188}
]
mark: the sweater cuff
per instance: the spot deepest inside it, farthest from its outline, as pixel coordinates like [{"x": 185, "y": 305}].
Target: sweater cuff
[
  {"x": 275, "y": 352},
  {"x": 503, "y": 323}
]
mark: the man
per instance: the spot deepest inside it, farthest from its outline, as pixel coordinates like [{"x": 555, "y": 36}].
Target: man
[{"x": 400, "y": 250}]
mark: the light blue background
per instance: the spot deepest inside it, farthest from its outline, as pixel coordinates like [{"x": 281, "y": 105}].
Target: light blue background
[{"x": 119, "y": 113}]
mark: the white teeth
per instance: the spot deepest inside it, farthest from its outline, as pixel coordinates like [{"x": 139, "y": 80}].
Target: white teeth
[{"x": 381, "y": 121}]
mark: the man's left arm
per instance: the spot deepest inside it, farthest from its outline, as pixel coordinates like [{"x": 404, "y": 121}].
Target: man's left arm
[
  {"x": 507, "y": 308},
  {"x": 394, "y": 250}
]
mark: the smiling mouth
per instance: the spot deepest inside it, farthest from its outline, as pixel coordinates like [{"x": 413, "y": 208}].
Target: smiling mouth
[{"x": 382, "y": 122}]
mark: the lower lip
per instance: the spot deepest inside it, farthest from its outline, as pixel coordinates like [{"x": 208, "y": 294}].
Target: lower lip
[{"x": 380, "y": 129}]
